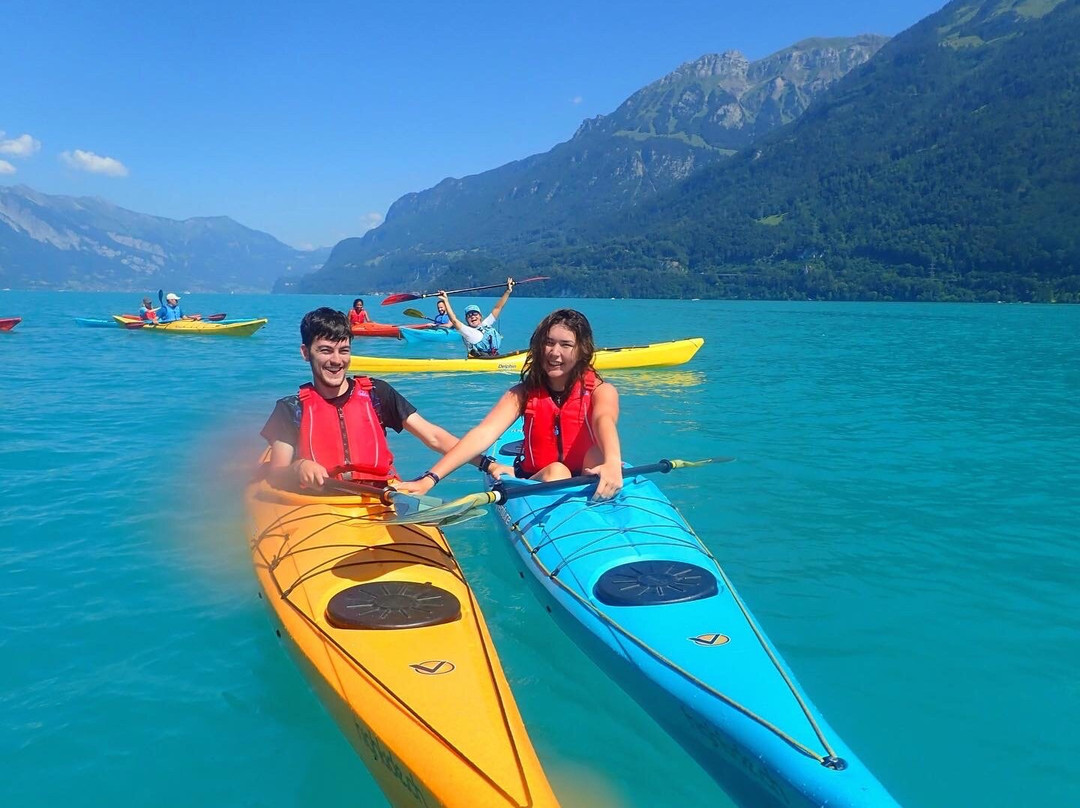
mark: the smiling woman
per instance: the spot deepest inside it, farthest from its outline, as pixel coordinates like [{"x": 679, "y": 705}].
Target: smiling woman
[{"x": 570, "y": 414}]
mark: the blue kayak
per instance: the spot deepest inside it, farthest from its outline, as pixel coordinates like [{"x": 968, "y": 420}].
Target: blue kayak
[
  {"x": 636, "y": 588},
  {"x": 415, "y": 336}
]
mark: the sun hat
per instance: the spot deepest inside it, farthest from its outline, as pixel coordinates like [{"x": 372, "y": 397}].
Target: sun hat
[
  {"x": 172, "y": 296},
  {"x": 471, "y": 308}
]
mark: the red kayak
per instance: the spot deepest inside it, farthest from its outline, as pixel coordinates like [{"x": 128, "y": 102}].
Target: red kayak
[
  {"x": 8, "y": 323},
  {"x": 382, "y": 329}
]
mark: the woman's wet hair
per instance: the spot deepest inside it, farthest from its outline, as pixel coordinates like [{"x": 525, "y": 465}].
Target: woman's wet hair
[
  {"x": 324, "y": 323},
  {"x": 532, "y": 372}
]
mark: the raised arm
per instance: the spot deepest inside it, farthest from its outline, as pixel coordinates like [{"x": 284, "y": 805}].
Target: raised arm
[
  {"x": 476, "y": 440},
  {"x": 467, "y": 331},
  {"x": 454, "y": 321},
  {"x": 502, "y": 300}
]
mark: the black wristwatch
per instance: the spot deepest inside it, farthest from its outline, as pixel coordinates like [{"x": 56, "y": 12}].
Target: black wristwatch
[{"x": 485, "y": 463}]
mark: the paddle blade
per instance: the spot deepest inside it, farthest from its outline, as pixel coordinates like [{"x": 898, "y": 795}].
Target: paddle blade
[
  {"x": 412, "y": 511},
  {"x": 416, "y": 313},
  {"x": 403, "y": 297},
  {"x": 689, "y": 464}
]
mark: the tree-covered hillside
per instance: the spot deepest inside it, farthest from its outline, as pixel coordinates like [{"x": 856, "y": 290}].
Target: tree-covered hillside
[
  {"x": 945, "y": 168},
  {"x": 697, "y": 115}
]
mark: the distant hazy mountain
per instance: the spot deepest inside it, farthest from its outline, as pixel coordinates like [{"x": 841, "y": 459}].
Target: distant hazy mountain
[
  {"x": 63, "y": 242},
  {"x": 694, "y": 117}
]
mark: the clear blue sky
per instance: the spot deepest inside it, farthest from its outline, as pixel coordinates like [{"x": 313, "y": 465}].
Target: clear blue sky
[{"x": 307, "y": 120}]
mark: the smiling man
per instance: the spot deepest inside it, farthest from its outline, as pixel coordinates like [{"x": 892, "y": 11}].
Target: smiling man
[{"x": 335, "y": 426}]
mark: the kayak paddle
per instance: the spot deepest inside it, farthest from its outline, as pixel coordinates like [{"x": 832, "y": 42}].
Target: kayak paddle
[
  {"x": 405, "y": 297},
  {"x": 403, "y": 503},
  {"x": 457, "y": 510}
]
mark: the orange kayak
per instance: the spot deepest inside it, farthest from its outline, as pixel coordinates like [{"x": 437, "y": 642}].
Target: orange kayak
[{"x": 391, "y": 638}]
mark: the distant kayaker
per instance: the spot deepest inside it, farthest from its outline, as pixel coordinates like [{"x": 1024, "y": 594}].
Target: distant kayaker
[
  {"x": 148, "y": 311},
  {"x": 479, "y": 334},
  {"x": 571, "y": 415},
  {"x": 441, "y": 317},
  {"x": 357, "y": 314},
  {"x": 337, "y": 420},
  {"x": 171, "y": 311}
]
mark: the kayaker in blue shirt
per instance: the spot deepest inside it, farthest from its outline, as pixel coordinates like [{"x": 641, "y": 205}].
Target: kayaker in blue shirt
[
  {"x": 171, "y": 311},
  {"x": 441, "y": 317},
  {"x": 479, "y": 333}
]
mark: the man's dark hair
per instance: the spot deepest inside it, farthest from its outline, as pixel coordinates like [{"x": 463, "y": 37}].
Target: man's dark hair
[{"x": 324, "y": 323}]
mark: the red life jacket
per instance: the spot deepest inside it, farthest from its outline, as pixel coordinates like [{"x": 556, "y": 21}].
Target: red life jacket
[
  {"x": 559, "y": 433},
  {"x": 347, "y": 435}
]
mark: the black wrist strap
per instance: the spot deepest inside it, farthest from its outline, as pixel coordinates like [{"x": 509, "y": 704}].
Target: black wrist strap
[
  {"x": 434, "y": 477},
  {"x": 485, "y": 463}
]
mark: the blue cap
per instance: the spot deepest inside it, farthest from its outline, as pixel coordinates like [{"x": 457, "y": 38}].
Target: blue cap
[{"x": 471, "y": 308}]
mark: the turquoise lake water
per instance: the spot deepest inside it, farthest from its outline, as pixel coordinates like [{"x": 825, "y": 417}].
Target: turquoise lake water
[{"x": 902, "y": 519}]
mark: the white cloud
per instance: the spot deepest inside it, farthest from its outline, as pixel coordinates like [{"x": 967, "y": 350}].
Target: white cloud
[
  {"x": 6, "y": 167},
  {"x": 369, "y": 221},
  {"x": 21, "y": 146},
  {"x": 577, "y": 99},
  {"x": 94, "y": 163}
]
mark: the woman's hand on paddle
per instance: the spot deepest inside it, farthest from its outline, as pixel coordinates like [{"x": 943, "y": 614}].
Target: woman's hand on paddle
[
  {"x": 509, "y": 285},
  {"x": 443, "y": 297},
  {"x": 309, "y": 473},
  {"x": 420, "y": 487},
  {"x": 497, "y": 470},
  {"x": 611, "y": 479}
]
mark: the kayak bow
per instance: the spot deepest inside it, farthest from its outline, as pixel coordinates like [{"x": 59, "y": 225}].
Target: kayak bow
[
  {"x": 636, "y": 588},
  {"x": 382, "y": 622}
]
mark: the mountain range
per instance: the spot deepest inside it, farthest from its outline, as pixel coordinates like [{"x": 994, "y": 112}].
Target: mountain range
[
  {"x": 696, "y": 116},
  {"x": 85, "y": 243},
  {"x": 942, "y": 167}
]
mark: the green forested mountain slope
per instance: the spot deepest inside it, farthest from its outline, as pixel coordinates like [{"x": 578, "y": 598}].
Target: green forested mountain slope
[
  {"x": 698, "y": 115},
  {"x": 948, "y": 167}
]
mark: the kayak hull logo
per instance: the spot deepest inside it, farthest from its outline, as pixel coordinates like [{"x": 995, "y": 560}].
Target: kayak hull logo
[
  {"x": 433, "y": 667},
  {"x": 710, "y": 640}
]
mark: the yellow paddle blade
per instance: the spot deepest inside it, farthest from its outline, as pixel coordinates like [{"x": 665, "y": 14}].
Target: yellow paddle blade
[
  {"x": 686, "y": 464},
  {"x": 412, "y": 511}
]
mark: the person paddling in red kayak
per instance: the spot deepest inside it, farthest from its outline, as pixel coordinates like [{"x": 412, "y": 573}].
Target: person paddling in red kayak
[
  {"x": 339, "y": 421},
  {"x": 571, "y": 415},
  {"x": 357, "y": 314}
]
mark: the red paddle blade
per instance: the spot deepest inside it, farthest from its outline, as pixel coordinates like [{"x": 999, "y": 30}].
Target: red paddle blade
[{"x": 403, "y": 297}]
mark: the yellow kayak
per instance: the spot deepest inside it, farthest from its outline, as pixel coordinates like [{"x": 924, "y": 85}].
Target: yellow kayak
[
  {"x": 390, "y": 636},
  {"x": 243, "y": 328},
  {"x": 659, "y": 354}
]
